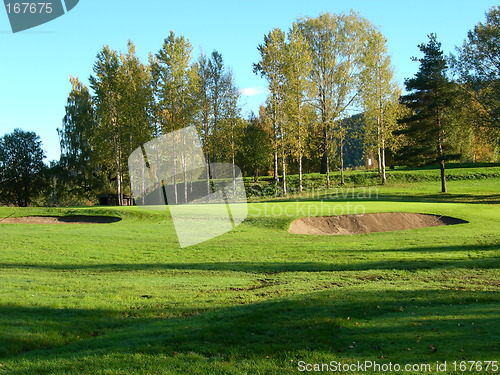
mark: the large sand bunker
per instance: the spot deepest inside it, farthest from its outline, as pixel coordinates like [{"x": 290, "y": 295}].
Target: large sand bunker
[
  {"x": 74, "y": 219},
  {"x": 368, "y": 223}
]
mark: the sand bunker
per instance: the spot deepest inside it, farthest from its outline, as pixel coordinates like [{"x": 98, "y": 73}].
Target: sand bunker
[
  {"x": 75, "y": 219},
  {"x": 368, "y": 223}
]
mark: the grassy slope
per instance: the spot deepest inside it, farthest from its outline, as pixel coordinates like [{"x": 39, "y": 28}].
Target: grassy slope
[
  {"x": 123, "y": 298},
  {"x": 454, "y": 173}
]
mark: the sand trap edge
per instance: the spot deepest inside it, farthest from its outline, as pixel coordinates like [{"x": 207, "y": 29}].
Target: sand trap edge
[
  {"x": 368, "y": 223},
  {"x": 71, "y": 219}
]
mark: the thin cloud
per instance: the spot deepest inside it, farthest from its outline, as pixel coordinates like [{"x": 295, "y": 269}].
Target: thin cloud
[{"x": 251, "y": 91}]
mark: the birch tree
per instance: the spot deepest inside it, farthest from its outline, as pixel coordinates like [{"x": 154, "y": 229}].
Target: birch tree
[
  {"x": 336, "y": 43},
  {"x": 271, "y": 67},
  {"x": 107, "y": 140},
  {"x": 379, "y": 93},
  {"x": 297, "y": 90},
  {"x": 75, "y": 136},
  {"x": 219, "y": 112},
  {"x": 122, "y": 103},
  {"x": 176, "y": 91},
  {"x": 205, "y": 123},
  {"x": 136, "y": 100}
]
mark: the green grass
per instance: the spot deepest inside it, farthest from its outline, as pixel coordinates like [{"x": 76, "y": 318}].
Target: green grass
[
  {"x": 454, "y": 172},
  {"x": 123, "y": 298}
]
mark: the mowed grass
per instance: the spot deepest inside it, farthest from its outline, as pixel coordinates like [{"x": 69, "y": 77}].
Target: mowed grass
[{"x": 124, "y": 298}]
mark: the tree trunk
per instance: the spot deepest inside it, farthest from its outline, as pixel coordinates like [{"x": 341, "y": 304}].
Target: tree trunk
[
  {"x": 283, "y": 167},
  {"x": 233, "y": 159},
  {"x": 324, "y": 167},
  {"x": 379, "y": 148},
  {"x": 184, "y": 168},
  {"x": 300, "y": 151},
  {"x": 342, "y": 180},
  {"x": 119, "y": 176},
  {"x": 207, "y": 163},
  {"x": 283, "y": 158},
  {"x": 381, "y": 132},
  {"x": 207, "y": 150},
  {"x": 443, "y": 176},
  {"x": 384, "y": 177},
  {"x": 176, "y": 198},
  {"x": 276, "y": 177},
  {"x": 441, "y": 152},
  {"x": 300, "y": 173},
  {"x": 191, "y": 175},
  {"x": 118, "y": 180},
  {"x": 276, "y": 143},
  {"x": 143, "y": 180},
  {"x": 382, "y": 153},
  {"x": 120, "y": 189},
  {"x": 379, "y": 161},
  {"x": 324, "y": 158},
  {"x": 327, "y": 171},
  {"x": 442, "y": 165}
]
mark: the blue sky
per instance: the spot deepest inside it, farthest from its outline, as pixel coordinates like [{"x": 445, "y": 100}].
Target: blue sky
[{"x": 35, "y": 65}]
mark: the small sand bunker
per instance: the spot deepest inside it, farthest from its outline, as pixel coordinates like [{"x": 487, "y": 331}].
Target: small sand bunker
[
  {"x": 368, "y": 223},
  {"x": 75, "y": 219}
]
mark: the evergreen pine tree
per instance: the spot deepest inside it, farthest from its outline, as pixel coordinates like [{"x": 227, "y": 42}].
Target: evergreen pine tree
[{"x": 430, "y": 97}]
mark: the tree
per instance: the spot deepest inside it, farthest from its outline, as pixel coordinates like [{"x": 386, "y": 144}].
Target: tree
[
  {"x": 430, "y": 96},
  {"x": 21, "y": 168},
  {"x": 101, "y": 130},
  {"x": 380, "y": 95},
  {"x": 478, "y": 67},
  {"x": 176, "y": 92},
  {"x": 297, "y": 89},
  {"x": 256, "y": 148},
  {"x": 135, "y": 104},
  {"x": 271, "y": 67},
  {"x": 219, "y": 112},
  {"x": 78, "y": 126},
  {"x": 223, "y": 97},
  {"x": 475, "y": 139},
  {"x": 337, "y": 43},
  {"x": 205, "y": 118},
  {"x": 108, "y": 139}
]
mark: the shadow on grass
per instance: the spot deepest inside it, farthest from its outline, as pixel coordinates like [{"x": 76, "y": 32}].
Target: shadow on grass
[
  {"x": 423, "y": 325},
  {"x": 325, "y": 266}
]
